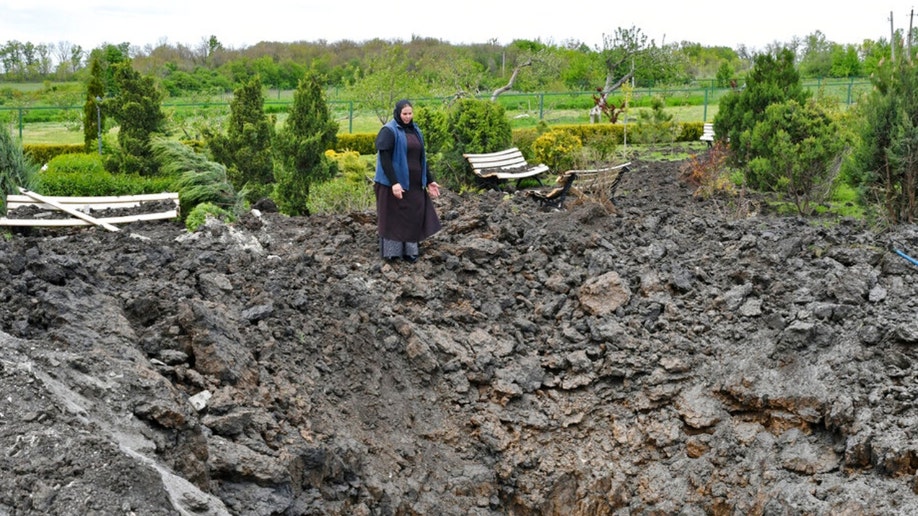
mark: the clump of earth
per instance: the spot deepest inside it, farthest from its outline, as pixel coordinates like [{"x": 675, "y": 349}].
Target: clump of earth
[{"x": 660, "y": 355}]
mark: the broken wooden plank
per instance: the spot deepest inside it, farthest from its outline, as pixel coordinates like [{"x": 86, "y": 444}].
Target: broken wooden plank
[
  {"x": 76, "y": 213},
  {"x": 97, "y": 203}
]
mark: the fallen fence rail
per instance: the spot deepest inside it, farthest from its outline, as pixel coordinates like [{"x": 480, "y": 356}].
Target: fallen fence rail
[{"x": 82, "y": 209}]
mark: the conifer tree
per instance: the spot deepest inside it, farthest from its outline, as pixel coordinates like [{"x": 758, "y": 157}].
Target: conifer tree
[
  {"x": 136, "y": 107},
  {"x": 245, "y": 149},
  {"x": 300, "y": 147},
  {"x": 774, "y": 80},
  {"x": 16, "y": 170},
  {"x": 93, "y": 120}
]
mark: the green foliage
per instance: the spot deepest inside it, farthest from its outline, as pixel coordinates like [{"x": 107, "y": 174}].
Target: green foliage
[
  {"x": 340, "y": 195},
  {"x": 558, "y": 149},
  {"x": 16, "y": 169},
  {"x": 386, "y": 77},
  {"x": 93, "y": 118},
  {"x": 76, "y": 163},
  {"x": 477, "y": 126},
  {"x": 797, "y": 153},
  {"x": 300, "y": 147},
  {"x": 725, "y": 75},
  {"x": 136, "y": 108},
  {"x": 773, "y": 80},
  {"x": 884, "y": 164},
  {"x": 351, "y": 191},
  {"x": 654, "y": 125},
  {"x": 198, "y": 216},
  {"x": 364, "y": 143},
  {"x": 198, "y": 180},
  {"x": 245, "y": 149},
  {"x": 39, "y": 153},
  {"x": 469, "y": 126},
  {"x": 85, "y": 175}
]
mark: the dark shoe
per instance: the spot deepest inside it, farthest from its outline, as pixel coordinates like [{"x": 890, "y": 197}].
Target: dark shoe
[
  {"x": 390, "y": 259},
  {"x": 411, "y": 258}
]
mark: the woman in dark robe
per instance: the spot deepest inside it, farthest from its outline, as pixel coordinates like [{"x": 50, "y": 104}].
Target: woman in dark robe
[{"x": 404, "y": 187}]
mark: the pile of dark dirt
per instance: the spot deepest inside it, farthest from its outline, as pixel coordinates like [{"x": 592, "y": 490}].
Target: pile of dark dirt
[{"x": 665, "y": 355}]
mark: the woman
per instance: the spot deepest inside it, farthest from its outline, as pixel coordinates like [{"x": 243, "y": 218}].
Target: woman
[{"x": 404, "y": 211}]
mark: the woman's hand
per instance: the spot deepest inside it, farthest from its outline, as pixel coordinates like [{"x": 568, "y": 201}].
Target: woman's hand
[
  {"x": 434, "y": 190},
  {"x": 397, "y": 190}
]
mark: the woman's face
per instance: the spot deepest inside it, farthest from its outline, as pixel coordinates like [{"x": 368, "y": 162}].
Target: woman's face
[{"x": 407, "y": 114}]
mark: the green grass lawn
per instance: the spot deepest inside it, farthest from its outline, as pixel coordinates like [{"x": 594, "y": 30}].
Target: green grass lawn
[{"x": 71, "y": 132}]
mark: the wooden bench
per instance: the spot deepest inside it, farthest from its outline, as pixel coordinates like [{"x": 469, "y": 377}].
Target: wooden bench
[
  {"x": 494, "y": 167},
  {"x": 604, "y": 179},
  {"x": 80, "y": 209},
  {"x": 707, "y": 134}
]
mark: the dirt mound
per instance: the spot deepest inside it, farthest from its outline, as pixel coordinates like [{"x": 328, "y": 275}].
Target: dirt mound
[{"x": 665, "y": 355}]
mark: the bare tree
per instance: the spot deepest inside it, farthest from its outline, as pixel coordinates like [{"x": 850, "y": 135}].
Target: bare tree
[
  {"x": 513, "y": 76},
  {"x": 618, "y": 55}
]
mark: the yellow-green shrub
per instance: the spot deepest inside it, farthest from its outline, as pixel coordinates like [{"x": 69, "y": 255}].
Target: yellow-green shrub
[
  {"x": 557, "y": 148},
  {"x": 351, "y": 190},
  {"x": 363, "y": 143},
  {"x": 44, "y": 153}
]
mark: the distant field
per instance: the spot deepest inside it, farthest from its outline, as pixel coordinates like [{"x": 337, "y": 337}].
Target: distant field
[
  {"x": 43, "y": 120},
  {"x": 71, "y": 132}
]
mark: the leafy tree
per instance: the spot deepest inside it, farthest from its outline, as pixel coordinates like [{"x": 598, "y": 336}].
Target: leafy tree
[
  {"x": 16, "y": 170},
  {"x": 245, "y": 149},
  {"x": 93, "y": 118},
  {"x": 300, "y": 147},
  {"x": 705, "y": 62},
  {"x": 874, "y": 53},
  {"x": 629, "y": 54},
  {"x": 109, "y": 56},
  {"x": 773, "y": 80},
  {"x": 816, "y": 60},
  {"x": 845, "y": 61},
  {"x": 137, "y": 108},
  {"x": 386, "y": 78},
  {"x": 581, "y": 71}
]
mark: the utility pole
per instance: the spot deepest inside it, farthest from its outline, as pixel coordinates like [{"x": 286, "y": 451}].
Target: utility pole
[
  {"x": 892, "y": 39},
  {"x": 911, "y": 19}
]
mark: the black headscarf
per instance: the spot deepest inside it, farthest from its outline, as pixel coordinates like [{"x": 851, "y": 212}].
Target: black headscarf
[{"x": 398, "y": 113}]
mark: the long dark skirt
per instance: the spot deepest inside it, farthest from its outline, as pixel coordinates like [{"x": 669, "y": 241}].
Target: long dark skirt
[{"x": 408, "y": 220}]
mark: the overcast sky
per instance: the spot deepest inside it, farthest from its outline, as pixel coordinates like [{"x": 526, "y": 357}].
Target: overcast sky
[{"x": 89, "y": 23}]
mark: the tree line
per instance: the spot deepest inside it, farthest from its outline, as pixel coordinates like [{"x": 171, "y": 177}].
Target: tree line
[{"x": 441, "y": 68}]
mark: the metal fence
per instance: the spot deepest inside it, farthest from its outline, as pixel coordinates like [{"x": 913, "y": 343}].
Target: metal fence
[{"x": 47, "y": 124}]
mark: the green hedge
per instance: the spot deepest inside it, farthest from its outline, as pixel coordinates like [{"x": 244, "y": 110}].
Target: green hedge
[
  {"x": 365, "y": 143},
  {"x": 84, "y": 175},
  {"x": 43, "y": 153}
]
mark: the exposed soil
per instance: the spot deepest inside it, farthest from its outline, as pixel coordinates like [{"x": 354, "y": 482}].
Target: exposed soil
[{"x": 667, "y": 355}]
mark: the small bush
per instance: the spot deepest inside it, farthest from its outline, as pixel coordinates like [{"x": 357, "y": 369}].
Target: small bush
[
  {"x": 364, "y": 143},
  {"x": 16, "y": 169},
  {"x": 199, "y": 214},
  {"x": 558, "y": 149},
  {"x": 76, "y": 163},
  {"x": 708, "y": 172},
  {"x": 44, "y": 153}
]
